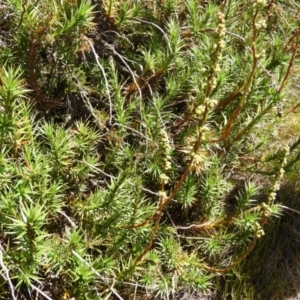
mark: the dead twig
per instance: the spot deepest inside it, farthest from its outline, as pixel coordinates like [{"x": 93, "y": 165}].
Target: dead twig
[
  {"x": 156, "y": 26},
  {"x": 7, "y": 277},
  {"x": 104, "y": 76}
]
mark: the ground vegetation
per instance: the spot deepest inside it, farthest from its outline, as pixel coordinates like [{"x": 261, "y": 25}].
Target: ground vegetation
[{"x": 145, "y": 147}]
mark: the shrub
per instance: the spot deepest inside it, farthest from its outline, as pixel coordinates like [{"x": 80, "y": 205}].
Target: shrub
[{"x": 129, "y": 134}]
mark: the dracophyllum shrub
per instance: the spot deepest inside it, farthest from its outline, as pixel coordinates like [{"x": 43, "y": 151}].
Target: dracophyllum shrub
[
  {"x": 43, "y": 167},
  {"x": 210, "y": 80},
  {"x": 46, "y": 39},
  {"x": 159, "y": 197}
]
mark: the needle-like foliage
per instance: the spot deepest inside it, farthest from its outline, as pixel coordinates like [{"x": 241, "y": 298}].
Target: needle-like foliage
[{"x": 136, "y": 142}]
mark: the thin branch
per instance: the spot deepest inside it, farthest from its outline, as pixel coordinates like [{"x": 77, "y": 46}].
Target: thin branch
[
  {"x": 135, "y": 291},
  {"x": 156, "y": 26},
  {"x": 222, "y": 271},
  {"x": 122, "y": 37},
  {"x": 288, "y": 208},
  {"x": 128, "y": 41},
  {"x": 291, "y": 110},
  {"x": 69, "y": 219},
  {"x": 192, "y": 238},
  {"x": 90, "y": 107},
  {"x": 291, "y": 63},
  {"x": 236, "y": 35},
  {"x": 7, "y": 16},
  {"x": 148, "y": 248},
  {"x": 104, "y": 76},
  {"x": 111, "y": 48},
  {"x": 7, "y": 277},
  {"x": 135, "y": 131},
  {"x": 40, "y": 291},
  {"x": 173, "y": 223},
  {"x": 297, "y": 5},
  {"x": 194, "y": 226},
  {"x": 96, "y": 169}
]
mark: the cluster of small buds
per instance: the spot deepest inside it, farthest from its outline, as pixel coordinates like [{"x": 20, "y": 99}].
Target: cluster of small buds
[
  {"x": 166, "y": 150},
  {"x": 212, "y": 82},
  {"x": 261, "y": 54},
  {"x": 217, "y": 68},
  {"x": 197, "y": 161},
  {"x": 262, "y": 24},
  {"x": 162, "y": 195},
  {"x": 276, "y": 185},
  {"x": 217, "y": 51},
  {"x": 207, "y": 103},
  {"x": 285, "y": 151},
  {"x": 221, "y": 44},
  {"x": 200, "y": 110},
  {"x": 163, "y": 178},
  {"x": 165, "y": 144},
  {"x": 272, "y": 197},
  {"x": 221, "y": 17},
  {"x": 266, "y": 209},
  {"x": 203, "y": 129},
  {"x": 221, "y": 29},
  {"x": 259, "y": 230},
  {"x": 210, "y": 103},
  {"x": 260, "y": 3},
  {"x": 219, "y": 56}
]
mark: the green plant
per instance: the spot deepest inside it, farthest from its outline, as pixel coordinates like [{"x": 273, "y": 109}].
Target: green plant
[{"x": 129, "y": 134}]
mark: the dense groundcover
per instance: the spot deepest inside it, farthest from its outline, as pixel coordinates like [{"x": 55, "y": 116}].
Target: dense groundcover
[{"x": 149, "y": 149}]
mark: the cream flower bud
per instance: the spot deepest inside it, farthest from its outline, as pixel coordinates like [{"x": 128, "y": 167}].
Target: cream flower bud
[
  {"x": 221, "y": 27},
  {"x": 217, "y": 68},
  {"x": 286, "y": 149},
  {"x": 212, "y": 103},
  {"x": 213, "y": 83},
  {"x": 206, "y": 100},
  {"x": 276, "y": 187},
  {"x": 168, "y": 165},
  {"x": 261, "y": 24},
  {"x": 221, "y": 30},
  {"x": 203, "y": 129},
  {"x": 221, "y": 44},
  {"x": 200, "y": 110},
  {"x": 261, "y": 3},
  {"x": 281, "y": 172},
  {"x": 272, "y": 197},
  {"x": 162, "y": 195},
  {"x": 221, "y": 17},
  {"x": 164, "y": 178},
  {"x": 219, "y": 56}
]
